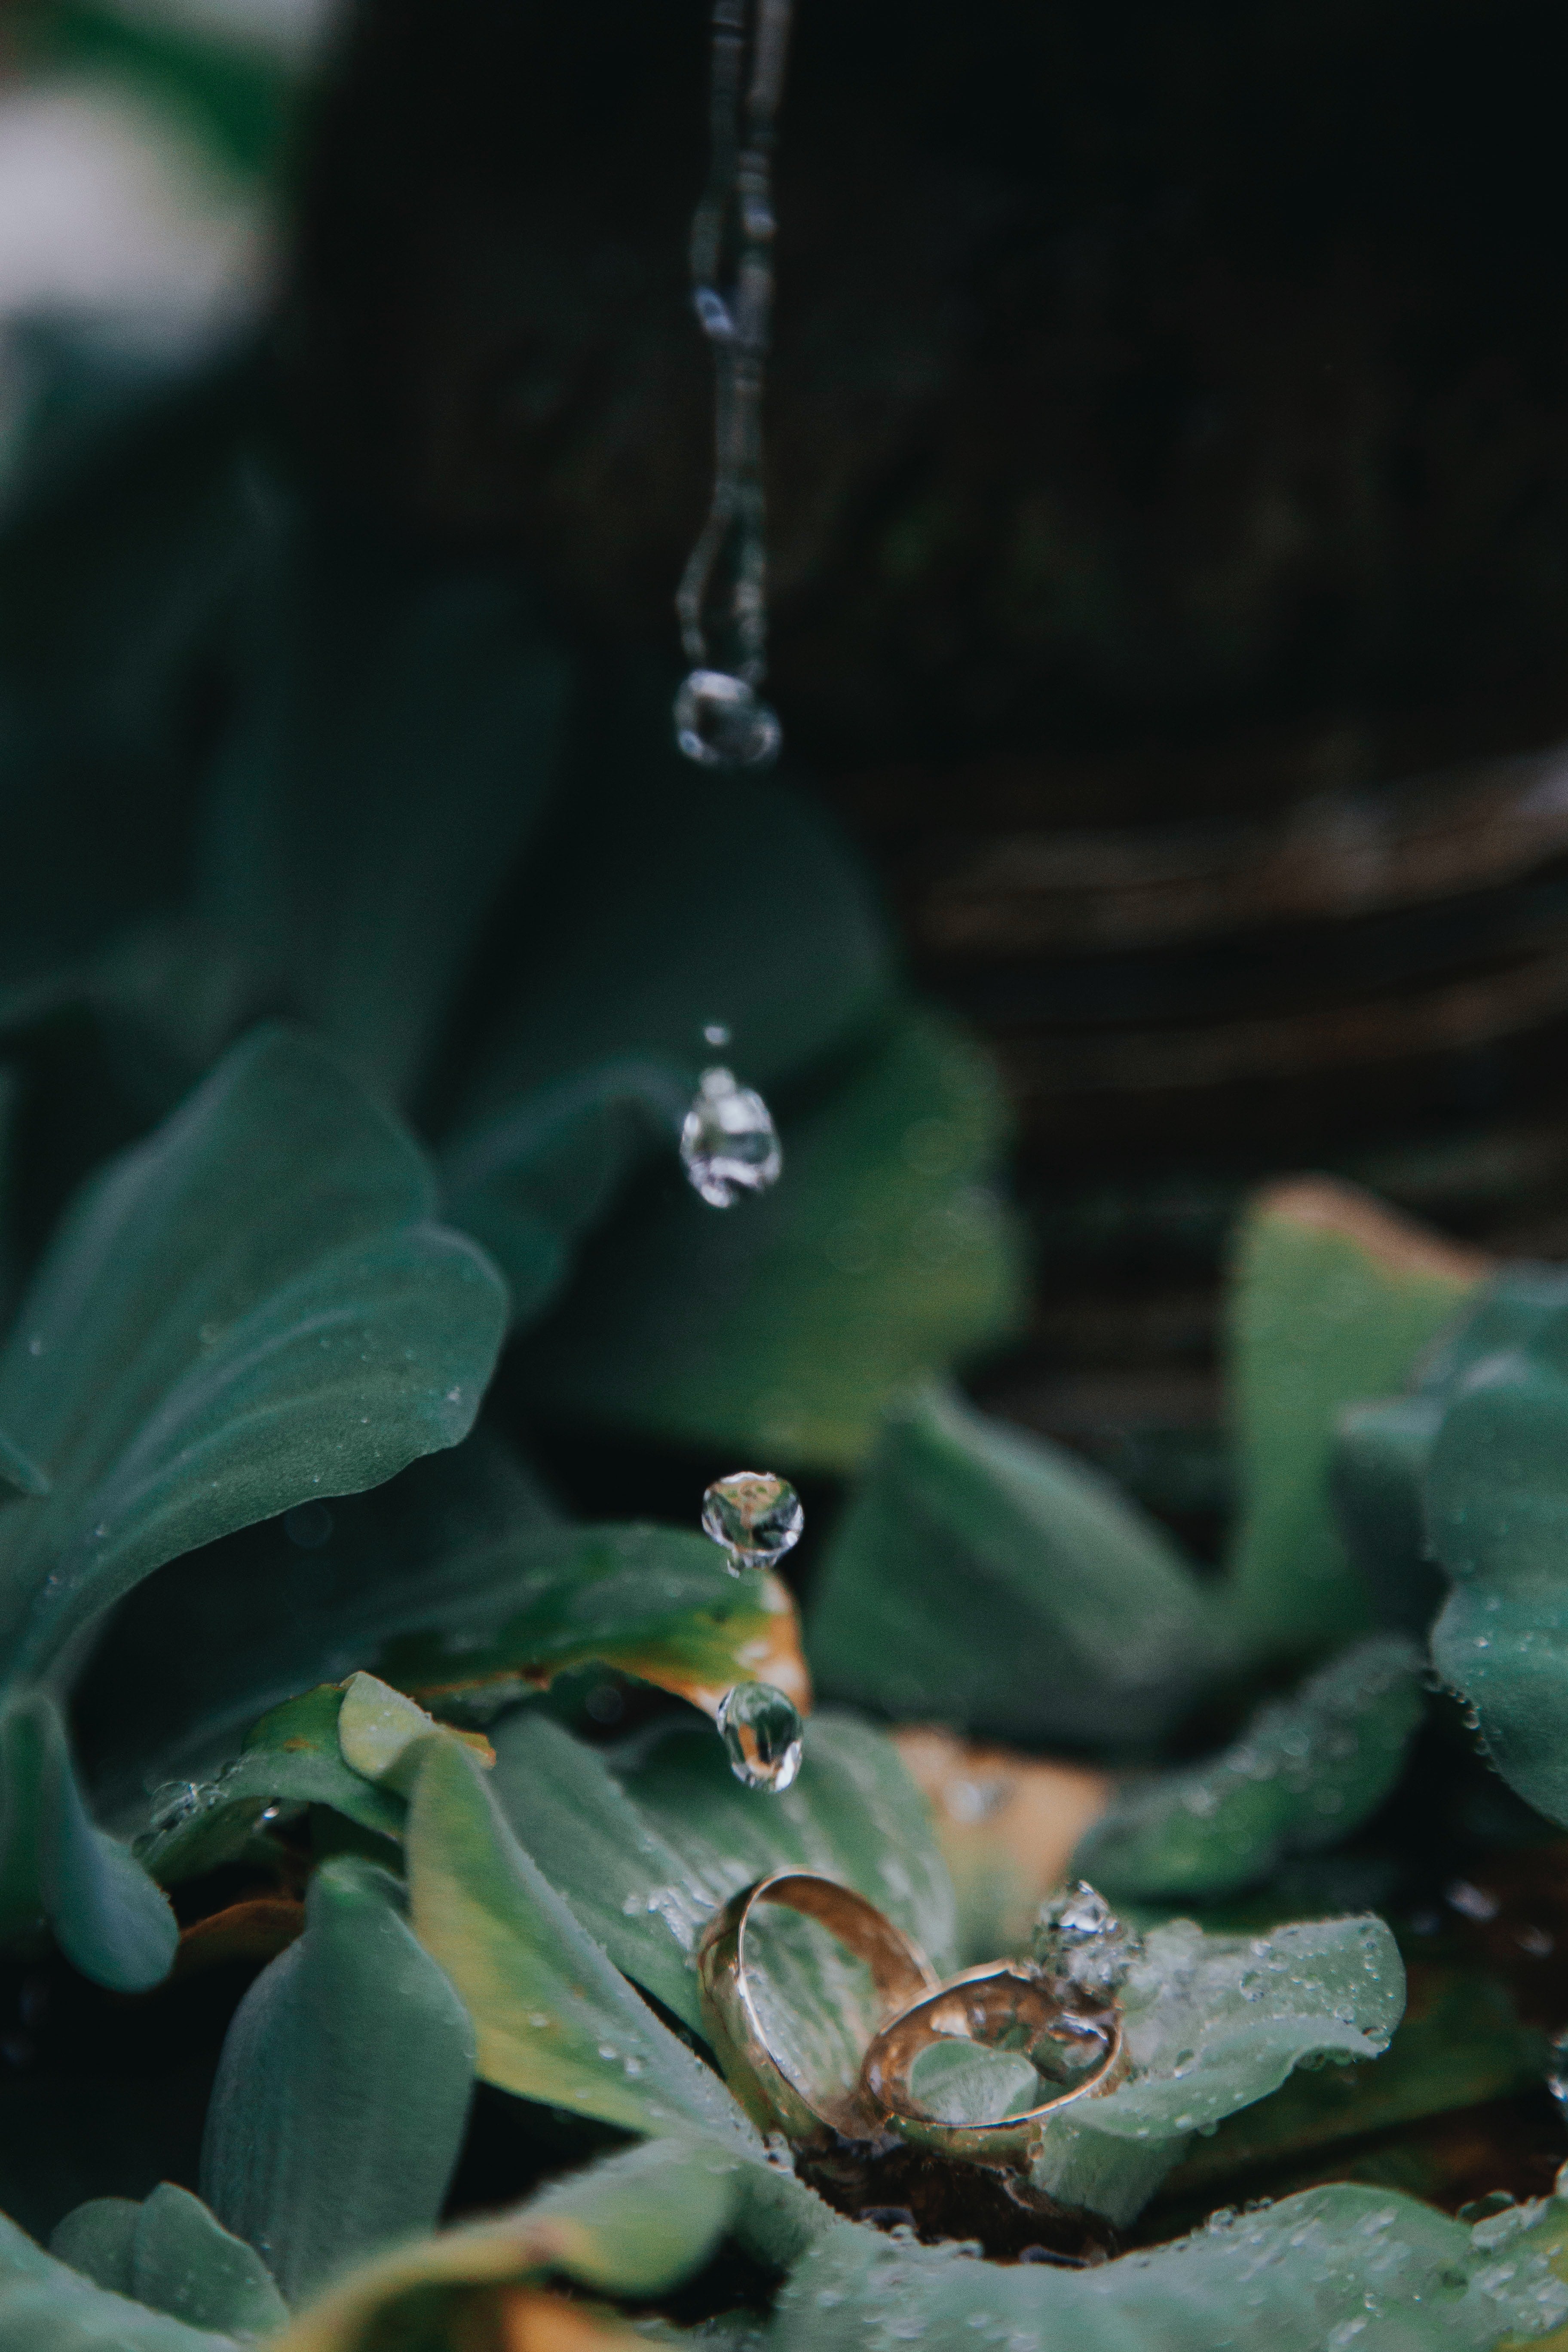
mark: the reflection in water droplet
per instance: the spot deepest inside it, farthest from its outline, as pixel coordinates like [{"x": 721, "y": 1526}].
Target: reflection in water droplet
[
  {"x": 756, "y": 1515},
  {"x": 762, "y": 1734},
  {"x": 720, "y": 724},
  {"x": 1079, "y": 1940},
  {"x": 728, "y": 1144}
]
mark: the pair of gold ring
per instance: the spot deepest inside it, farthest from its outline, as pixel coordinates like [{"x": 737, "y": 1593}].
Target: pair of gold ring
[{"x": 1002, "y": 2004}]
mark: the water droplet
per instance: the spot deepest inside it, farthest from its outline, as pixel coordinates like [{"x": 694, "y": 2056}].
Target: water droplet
[
  {"x": 172, "y": 1803},
  {"x": 716, "y": 1033},
  {"x": 1557, "y": 2071},
  {"x": 756, "y": 1515},
  {"x": 761, "y": 1733},
  {"x": 720, "y": 724},
  {"x": 1079, "y": 1940},
  {"x": 1472, "y": 1902},
  {"x": 270, "y": 1812},
  {"x": 728, "y": 1144}
]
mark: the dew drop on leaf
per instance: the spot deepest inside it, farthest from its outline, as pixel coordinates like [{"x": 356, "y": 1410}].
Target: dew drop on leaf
[
  {"x": 728, "y": 1144},
  {"x": 754, "y": 1515},
  {"x": 762, "y": 1734}
]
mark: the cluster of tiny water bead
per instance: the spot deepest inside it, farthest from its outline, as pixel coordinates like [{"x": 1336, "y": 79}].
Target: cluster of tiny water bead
[
  {"x": 761, "y": 1729},
  {"x": 174, "y": 1803},
  {"x": 753, "y": 1516},
  {"x": 1079, "y": 1942},
  {"x": 728, "y": 1144}
]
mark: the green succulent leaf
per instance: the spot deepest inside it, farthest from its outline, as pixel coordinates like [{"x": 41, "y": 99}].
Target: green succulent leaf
[
  {"x": 528, "y": 1180},
  {"x": 1304, "y": 1773},
  {"x": 646, "y": 1849},
  {"x": 553, "y": 2019},
  {"x": 1459, "y": 2042},
  {"x": 224, "y": 1635},
  {"x": 656, "y": 1602},
  {"x": 635, "y": 2225},
  {"x": 248, "y": 1309},
  {"x": 1332, "y": 1300},
  {"x": 786, "y": 1324},
  {"x": 46, "y": 2306},
  {"x": 976, "y": 1575},
  {"x": 106, "y": 1916},
  {"x": 342, "y": 2092},
  {"x": 1213, "y": 2023},
  {"x": 1332, "y": 2267},
  {"x": 171, "y": 2254},
  {"x": 398, "y": 737},
  {"x": 1382, "y": 1448},
  {"x": 1497, "y": 1492},
  {"x": 291, "y": 1758}
]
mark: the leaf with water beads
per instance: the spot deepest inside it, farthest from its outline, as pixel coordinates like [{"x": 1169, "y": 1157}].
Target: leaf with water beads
[
  {"x": 647, "y": 1843},
  {"x": 1497, "y": 1504},
  {"x": 1304, "y": 1773},
  {"x": 1331, "y": 2270},
  {"x": 1213, "y": 2023},
  {"x": 291, "y": 1760}
]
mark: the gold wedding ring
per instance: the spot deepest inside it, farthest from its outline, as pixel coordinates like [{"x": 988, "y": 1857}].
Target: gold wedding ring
[
  {"x": 770, "y": 2093},
  {"x": 993, "y": 2006}
]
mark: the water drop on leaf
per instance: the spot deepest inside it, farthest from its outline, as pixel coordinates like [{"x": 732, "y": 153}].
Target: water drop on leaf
[{"x": 761, "y": 1733}]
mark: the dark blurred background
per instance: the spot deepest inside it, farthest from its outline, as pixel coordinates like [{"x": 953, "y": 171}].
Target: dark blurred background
[{"x": 1168, "y": 483}]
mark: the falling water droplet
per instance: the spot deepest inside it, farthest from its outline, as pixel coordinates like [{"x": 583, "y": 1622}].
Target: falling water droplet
[
  {"x": 716, "y": 1033},
  {"x": 756, "y": 1518},
  {"x": 760, "y": 1731},
  {"x": 721, "y": 723},
  {"x": 1079, "y": 1940},
  {"x": 1557, "y": 2071},
  {"x": 728, "y": 1144}
]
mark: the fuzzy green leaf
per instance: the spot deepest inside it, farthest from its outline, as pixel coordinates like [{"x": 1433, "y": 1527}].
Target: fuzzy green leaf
[
  {"x": 1213, "y": 2023},
  {"x": 398, "y": 737},
  {"x": 1333, "y": 1299},
  {"x": 342, "y": 2092},
  {"x": 46, "y": 2306},
  {"x": 1498, "y": 1510},
  {"x": 216, "y": 1640},
  {"x": 635, "y": 2225},
  {"x": 1332, "y": 2267},
  {"x": 553, "y": 2019},
  {"x": 248, "y": 1309},
  {"x": 982, "y": 1577},
  {"x": 291, "y": 1758},
  {"x": 171, "y": 2254},
  {"x": 786, "y": 1324},
  {"x": 656, "y": 1601},
  {"x": 1304, "y": 1773},
  {"x": 645, "y": 1852},
  {"x": 108, "y": 1917}
]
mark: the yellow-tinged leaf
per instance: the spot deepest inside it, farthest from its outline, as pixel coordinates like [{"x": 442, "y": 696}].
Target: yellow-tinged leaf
[
  {"x": 1333, "y": 1298},
  {"x": 379, "y": 1728},
  {"x": 1006, "y": 1826}
]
